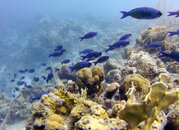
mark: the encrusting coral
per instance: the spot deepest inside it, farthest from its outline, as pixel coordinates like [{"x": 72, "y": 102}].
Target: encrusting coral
[{"x": 90, "y": 79}]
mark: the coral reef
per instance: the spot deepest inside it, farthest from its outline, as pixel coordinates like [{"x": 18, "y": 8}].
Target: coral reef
[{"x": 90, "y": 79}]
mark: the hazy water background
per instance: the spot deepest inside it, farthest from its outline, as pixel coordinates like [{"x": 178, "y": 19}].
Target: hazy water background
[{"x": 22, "y": 23}]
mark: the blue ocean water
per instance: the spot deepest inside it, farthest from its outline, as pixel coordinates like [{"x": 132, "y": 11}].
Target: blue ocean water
[{"x": 30, "y": 30}]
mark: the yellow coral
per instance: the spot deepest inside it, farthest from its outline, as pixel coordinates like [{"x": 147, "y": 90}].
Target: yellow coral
[{"x": 156, "y": 100}]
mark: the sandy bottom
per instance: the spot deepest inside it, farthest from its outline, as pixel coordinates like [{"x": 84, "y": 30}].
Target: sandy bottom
[{"x": 17, "y": 126}]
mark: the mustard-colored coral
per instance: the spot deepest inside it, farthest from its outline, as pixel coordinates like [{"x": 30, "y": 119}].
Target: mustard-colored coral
[
  {"x": 91, "y": 79},
  {"x": 147, "y": 110}
]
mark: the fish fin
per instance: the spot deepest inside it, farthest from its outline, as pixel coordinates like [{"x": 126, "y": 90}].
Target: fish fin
[
  {"x": 71, "y": 68},
  {"x": 171, "y": 33},
  {"x": 125, "y": 14},
  {"x": 81, "y": 38}
]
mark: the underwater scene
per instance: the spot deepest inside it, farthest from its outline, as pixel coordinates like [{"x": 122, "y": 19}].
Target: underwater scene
[{"x": 89, "y": 65}]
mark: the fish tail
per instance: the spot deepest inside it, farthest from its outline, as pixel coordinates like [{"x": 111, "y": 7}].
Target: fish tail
[
  {"x": 71, "y": 68},
  {"x": 163, "y": 54},
  {"x": 106, "y": 50},
  {"x": 171, "y": 33},
  {"x": 125, "y": 14},
  {"x": 81, "y": 38}
]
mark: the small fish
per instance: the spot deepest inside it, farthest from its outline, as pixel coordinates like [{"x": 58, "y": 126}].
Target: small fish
[
  {"x": 118, "y": 44},
  {"x": 56, "y": 53},
  {"x": 59, "y": 47},
  {"x": 79, "y": 65},
  {"x": 22, "y": 77},
  {"x": 86, "y": 51},
  {"x": 48, "y": 68},
  {"x": 19, "y": 83},
  {"x": 16, "y": 88},
  {"x": 172, "y": 55},
  {"x": 142, "y": 13},
  {"x": 65, "y": 61},
  {"x": 28, "y": 86},
  {"x": 101, "y": 59},
  {"x": 36, "y": 79},
  {"x": 125, "y": 36},
  {"x": 43, "y": 64},
  {"x": 31, "y": 70},
  {"x": 37, "y": 97},
  {"x": 173, "y": 33},
  {"x": 44, "y": 77},
  {"x": 92, "y": 55},
  {"x": 21, "y": 71},
  {"x": 13, "y": 80},
  {"x": 174, "y": 13},
  {"x": 153, "y": 45},
  {"x": 49, "y": 77},
  {"x": 88, "y": 35}
]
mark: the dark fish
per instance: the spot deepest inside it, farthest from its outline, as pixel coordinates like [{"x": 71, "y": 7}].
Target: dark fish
[
  {"x": 118, "y": 44},
  {"x": 92, "y": 55},
  {"x": 172, "y": 55},
  {"x": 37, "y": 97},
  {"x": 59, "y": 47},
  {"x": 125, "y": 36},
  {"x": 21, "y": 71},
  {"x": 142, "y": 13},
  {"x": 19, "y": 83},
  {"x": 28, "y": 86},
  {"x": 43, "y": 77},
  {"x": 16, "y": 88},
  {"x": 174, "y": 13},
  {"x": 49, "y": 77},
  {"x": 153, "y": 45},
  {"x": 88, "y": 35},
  {"x": 79, "y": 65},
  {"x": 13, "y": 80},
  {"x": 101, "y": 59},
  {"x": 173, "y": 33},
  {"x": 86, "y": 51},
  {"x": 36, "y": 79},
  {"x": 56, "y": 53},
  {"x": 48, "y": 68},
  {"x": 31, "y": 70},
  {"x": 65, "y": 61},
  {"x": 22, "y": 77},
  {"x": 43, "y": 64}
]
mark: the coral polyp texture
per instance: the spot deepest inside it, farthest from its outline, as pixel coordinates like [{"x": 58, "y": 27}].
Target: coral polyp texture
[{"x": 143, "y": 107}]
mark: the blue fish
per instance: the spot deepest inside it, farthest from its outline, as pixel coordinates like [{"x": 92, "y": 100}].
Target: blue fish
[
  {"x": 21, "y": 71},
  {"x": 36, "y": 79},
  {"x": 88, "y": 35},
  {"x": 44, "y": 77},
  {"x": 56, "y": 53},
  {"x": 173, "y": 33},
  {"x": 79, "y": 65},
  {"x": 172, "y": 55},
  {"x": 19, "y": 83},
  {"x": 86, "y": 51},
  {"x": 28, "y": 86},
  {"x": 65, "y": 61},
  {"x": 43, "y": 64},
  {"x": 22, "y": 77},
  {"x": 153, "y": 45},
  {"x": 16, "y": 88},
  {"x": 31, "y": 70},
  {"x": 49, "y": 77},
  {"x": 92, "y": 55},
  {"x": 118, "y": 44},
  {"x": 142, "y": 13},
  {"x": 59, "y": 47},
  {"x": 101, "y": 59},
  {"x": 48, "y": 68},
  {"x": 37, "y": 97},
  {"x": 125, "y": 36},
  {"x": 174, "y": 13}
]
